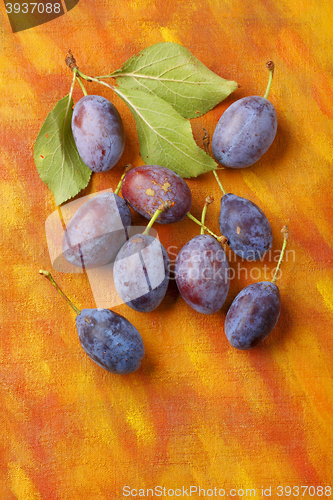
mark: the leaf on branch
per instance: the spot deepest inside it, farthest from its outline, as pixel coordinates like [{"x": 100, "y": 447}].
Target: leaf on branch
[
  {"x": 57, "y": 159},
  {"x": 169, "y": 71},
  {"x": 165, "y": 137}
]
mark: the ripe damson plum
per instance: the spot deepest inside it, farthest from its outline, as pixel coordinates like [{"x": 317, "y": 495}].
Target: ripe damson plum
[
  {"x": 245, "y": 131},
  {"x": 98, "y": 132},
  {"x": 202, "y": 274},
  {"x": 141, "y": 272},
  {"x": 108, "y": 338},
  {"x": 255, "y": 311},
  {"x": 253, "y": 315},
  {"x": 97, "y": 231},
  {"x": 245, "y": 226},
  {"x": 147, "y": 186}
]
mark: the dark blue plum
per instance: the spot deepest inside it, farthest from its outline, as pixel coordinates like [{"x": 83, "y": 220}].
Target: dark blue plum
[
  {"x": 253, "y": 315},
  {"x": 245, "y": 226},
  {"x": 141, "y": 273},
  {"x": 97, "y": 231},
  {"x": 98, "y": 132},
  {"x": 202, "y": 274},
  {"x": 110, "y": 340},
  {"x": 244, "y": 132}
]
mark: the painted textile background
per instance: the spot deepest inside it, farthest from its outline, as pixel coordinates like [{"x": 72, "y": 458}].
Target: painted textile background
[{"x": 197, "y": 413}]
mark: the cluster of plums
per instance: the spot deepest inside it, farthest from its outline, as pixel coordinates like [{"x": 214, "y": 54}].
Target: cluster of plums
[{"x": 98, "y": 234}]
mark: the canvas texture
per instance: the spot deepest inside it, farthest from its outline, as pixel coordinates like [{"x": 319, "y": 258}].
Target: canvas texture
[{"x": 197, "y": 413}]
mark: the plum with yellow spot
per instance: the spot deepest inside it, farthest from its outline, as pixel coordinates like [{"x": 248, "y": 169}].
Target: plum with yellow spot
[
  {"x": 146, "y": 187},
  {"x": 242, "y": 222},
  {"x": 246, "y": 227}
]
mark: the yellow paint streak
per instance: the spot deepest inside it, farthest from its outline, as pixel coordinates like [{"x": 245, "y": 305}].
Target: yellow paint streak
[
  {"x": 36, "y": 369},
  {"x": 311, "y": 385},
  {"x": 83, "y": 383},
  {"x": 97, "y": 423},
  {"x": 170, "y": 35},
  {"x": 241, "y": 474},
  {"x": 202, "y": 360},
  {"x": 96, "y": 419},
  {"x": 150, "y": 192},
  {"x": 143, "y": 428},
  {"x": 22, "y": 485},
  {"x": 259, "y": 400},
  {"x": 13, "y": 209},
  {"x": 321, "y": 220},
  {"x": 41, "y": 51},
  {"x": 262, "y": 191},
  {"x": 211, "y": 379},
  {"x": 19, "y": 94},
  {"x": 38, "y": 374},
  {"x": 139, "y": 4},
  {"x": 325, "y": 288}
]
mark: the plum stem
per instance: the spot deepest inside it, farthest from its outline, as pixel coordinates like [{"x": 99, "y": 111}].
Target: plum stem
[
  {"x": 70, "y": 61},
  {"x": 221, "y": 239},
  {"x": 206, "y": 142},
  {"x": 92, "y": 79},
  {"x": 208, "y": 201},
  {"x": 82, "y": 86},
  {"x": 270, "y": 66},
  {"x": 219, "y": 182},
  {"x": 285, "y": 232},
  {"x": 118, "y": 188},
  {"x": 165, "y": 206},
  {"x": 49, "y": 277},
  {"x": 72, "y": 86}
]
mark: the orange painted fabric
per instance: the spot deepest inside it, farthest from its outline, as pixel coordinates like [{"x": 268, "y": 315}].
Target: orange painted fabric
[{"x": 198, "y": 413}]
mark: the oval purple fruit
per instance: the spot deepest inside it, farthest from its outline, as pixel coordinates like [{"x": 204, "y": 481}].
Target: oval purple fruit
[
  {"x": 244, "y": 132},
  {"x": 141, "y": 272},
  {"x": 202, "y": 274},
  {"x": 110, "y": 340},
  {"x": 98, "y": 132},
  {"x": 97, "y": 231},
  {"x": 246, "y": 227},
  {"x": 146, "y": 187},
  {"x": 253, "y": 315}
]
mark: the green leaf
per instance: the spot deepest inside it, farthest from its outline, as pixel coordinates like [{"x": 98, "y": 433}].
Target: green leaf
[
  {"x": 57, "y": 159},
  {"x": 171, "y": 72},
  {"x": 165, "y": 137}
]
